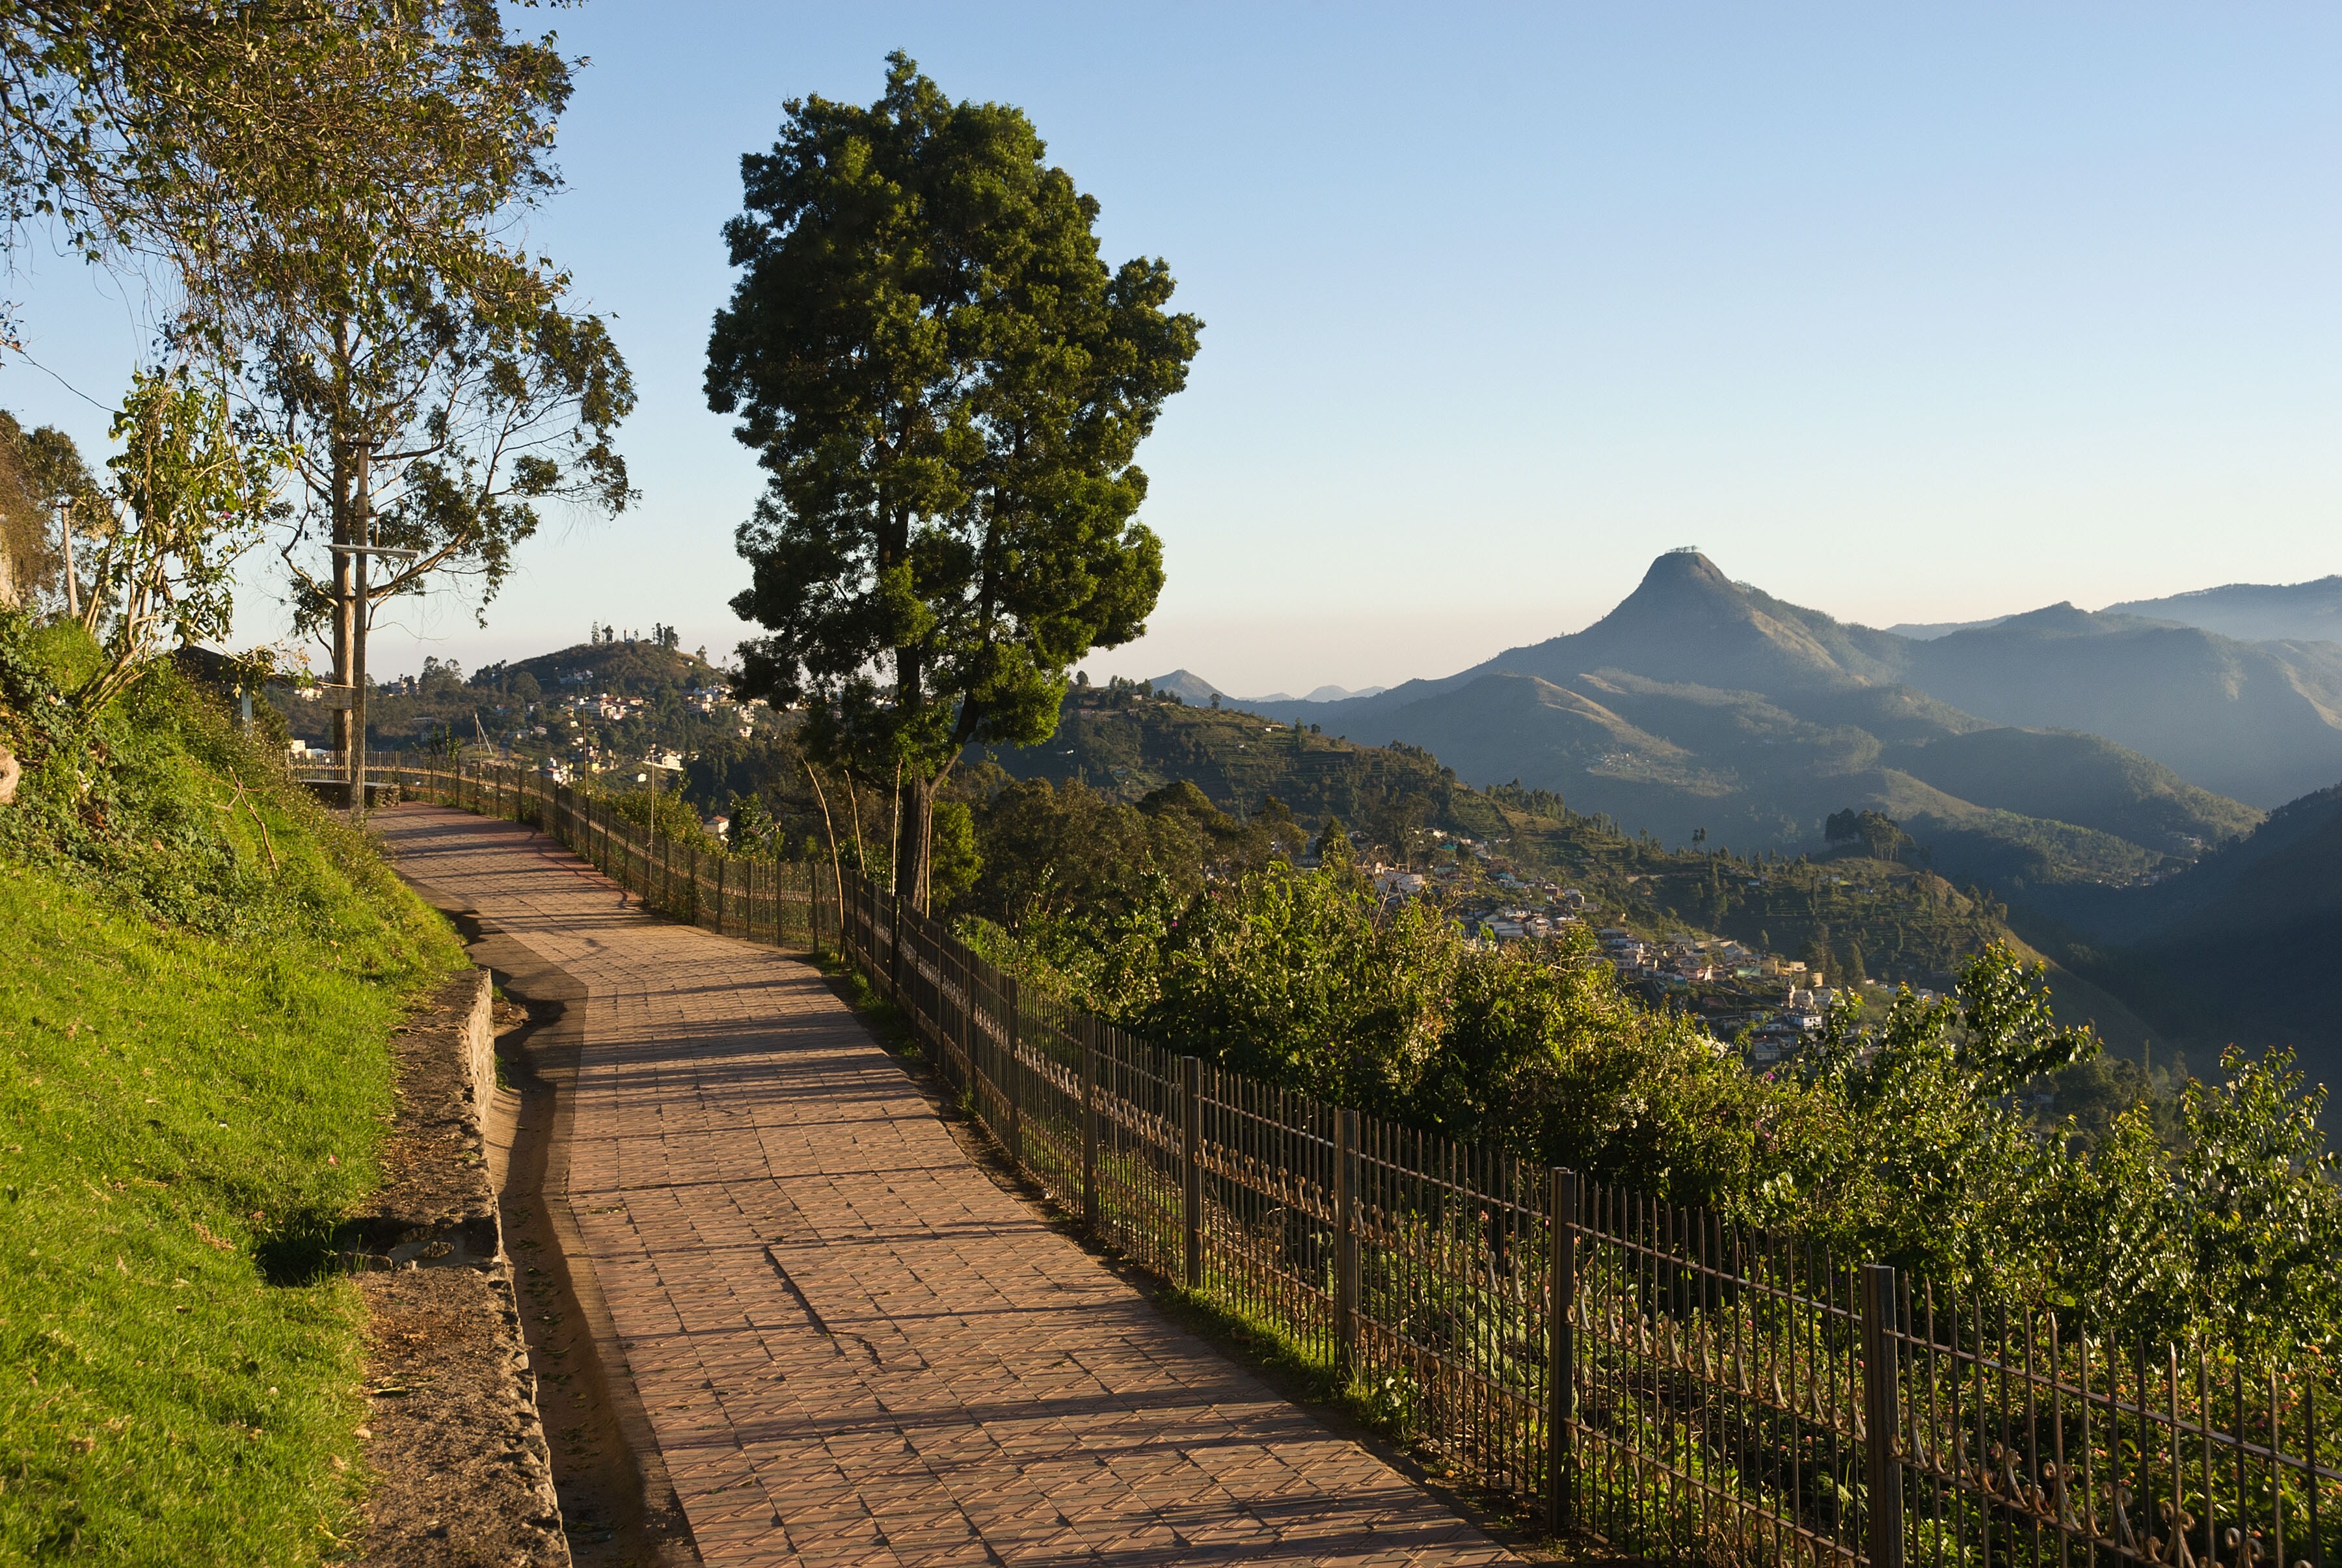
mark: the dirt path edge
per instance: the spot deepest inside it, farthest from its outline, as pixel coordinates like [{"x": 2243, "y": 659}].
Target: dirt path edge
[{"x": 461, "y": 1473}]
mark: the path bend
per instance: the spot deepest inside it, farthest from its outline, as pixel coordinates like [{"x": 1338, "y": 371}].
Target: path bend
[{"x": 852, "y": 1347}]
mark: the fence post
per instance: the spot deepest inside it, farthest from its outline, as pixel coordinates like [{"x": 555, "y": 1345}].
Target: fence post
[
  {"x": 1191, "y": 1141},
  {"x": 1089, "y": 1123},
  {"x": 1012, "y": 1028},
  {"x": 1882, "y": 1419},
  {"x": 895, "y": 946},
  {"x": 1561, "y": 1352},
  {"x": 1345, "y": 1241}
]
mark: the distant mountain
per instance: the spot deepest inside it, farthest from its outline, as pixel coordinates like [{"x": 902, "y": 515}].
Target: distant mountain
[
  {"x": 1193, "y": 689},
  {"x": 2261, "y": 721},
  {"x": 1187, "y": 687},
  {"x": 1702, "y": 704},
  {"x": 1322, "y": 694},
  {"x": 2252, "y": 612},
  {"x": 1926, "y": 630}
]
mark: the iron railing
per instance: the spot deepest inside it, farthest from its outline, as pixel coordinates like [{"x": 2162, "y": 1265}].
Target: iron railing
[{"x": 1651, "y": 1377}]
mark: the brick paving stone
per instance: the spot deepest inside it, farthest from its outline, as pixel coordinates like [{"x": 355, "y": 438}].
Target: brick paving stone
[{"x": 854, "y": 1347}]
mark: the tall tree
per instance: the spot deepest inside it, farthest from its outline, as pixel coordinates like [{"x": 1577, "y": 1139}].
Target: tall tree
[
  {"x": 43, "y": 482},
  {"x": 948, "y": 388},
  {"x": 321, "y": 193},
  {"x": 433, "y": 379}
]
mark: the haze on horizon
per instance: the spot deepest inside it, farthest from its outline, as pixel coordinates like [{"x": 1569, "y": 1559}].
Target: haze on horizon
[{"x": 1905, "y": 318}]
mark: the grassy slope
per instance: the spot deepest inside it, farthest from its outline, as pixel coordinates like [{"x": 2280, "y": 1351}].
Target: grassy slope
[{"x": 187, "y": 1105}]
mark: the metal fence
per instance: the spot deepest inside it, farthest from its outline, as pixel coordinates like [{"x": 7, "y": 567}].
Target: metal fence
[{"x": 1653, "y": 1378}]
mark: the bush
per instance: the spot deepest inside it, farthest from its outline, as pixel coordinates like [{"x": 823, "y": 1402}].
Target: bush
[{"x": 1907, "y": 1139}]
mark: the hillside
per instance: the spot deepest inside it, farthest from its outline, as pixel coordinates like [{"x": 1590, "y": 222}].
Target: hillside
[
  {"x": 2252, "y": 612},
  {"x": 2259, "y": 721},
  {"x": 2064, "y": 776},
  {"x": 2239, "y": 947},
  {"x": 204, "y": 971},
  {"x": 623, "y": 668},
  {"x": 546, "y": 710},
  {"x": 1908, "y": 921}
]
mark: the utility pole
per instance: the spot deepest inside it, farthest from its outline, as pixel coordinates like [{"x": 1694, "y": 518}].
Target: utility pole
[
  {"x": 353, "y": 617},
  {"x": 344, "y": 595},
  {"x": 73, "y": 582},
  {"x": 362, "y": 527}
]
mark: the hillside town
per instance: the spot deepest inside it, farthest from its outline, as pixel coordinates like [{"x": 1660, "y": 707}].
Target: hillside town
[
  {"x": 1761, "y": 1003},
  {"x": 636, "y": 714}
]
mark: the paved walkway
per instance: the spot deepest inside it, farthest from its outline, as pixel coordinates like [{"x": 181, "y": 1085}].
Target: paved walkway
[{"x": 855, "y": 1347}]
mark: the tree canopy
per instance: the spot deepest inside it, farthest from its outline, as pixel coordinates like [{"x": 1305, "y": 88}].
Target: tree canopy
[
  {"x": 145, "y": 131},
  {"x": 947, "y": 388}
]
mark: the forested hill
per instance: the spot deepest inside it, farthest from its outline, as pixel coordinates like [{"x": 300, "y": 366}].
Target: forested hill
[
  {"x": 622, "y": 669},
  {"x": 1851, "y": 911}
]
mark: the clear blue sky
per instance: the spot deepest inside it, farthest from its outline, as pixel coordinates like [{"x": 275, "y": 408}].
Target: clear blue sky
[{"x": 1902, "y": 315}]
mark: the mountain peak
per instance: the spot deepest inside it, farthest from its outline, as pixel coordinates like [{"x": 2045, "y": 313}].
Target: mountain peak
[
  {"x": 1683, "y": 585},
  {"x": 1686, "y": 567},
  {"x": 1688, "y": 622},
  {"x": 1187, "y": 687}
]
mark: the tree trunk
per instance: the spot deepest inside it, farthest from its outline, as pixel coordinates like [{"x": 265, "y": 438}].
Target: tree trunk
[{"x": 911, "y": 847}]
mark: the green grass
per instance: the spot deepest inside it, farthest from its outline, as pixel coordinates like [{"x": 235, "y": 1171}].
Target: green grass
[
  {"x": 195, "y": 1078},
  {"x": 184, "y": 1120}
]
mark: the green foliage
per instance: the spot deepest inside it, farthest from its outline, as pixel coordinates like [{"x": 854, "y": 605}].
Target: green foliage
[
  {"x": 434, "y": 379},
  {"x": 1301, "y": 980},
  {"x": 42, "y": 478},
  {"x": 953, "y": 862},
  {"x": 1881, "y": 837},
  {"x": 1051, "y": 852},
  {"x": 189, "y": 499},
  {"x": 1909, "y": 1140},
  {"x": 2260, "y": 1215},
  {"x": 156, "y": 803},
  {"x": 948, "y": 388},
  {"x": 666, "y": 813},
  {"x": 750, "y": 826}
]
